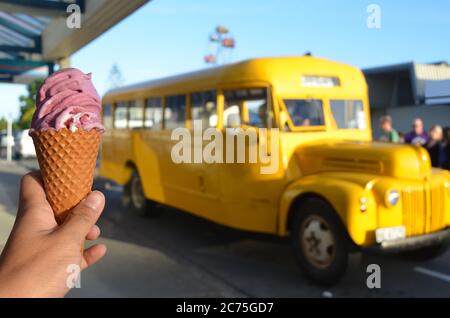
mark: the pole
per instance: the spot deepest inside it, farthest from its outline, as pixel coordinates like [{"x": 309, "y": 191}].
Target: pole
[
  {"x": 9, "y": 139},
  {"x": 64, "y": 62}
]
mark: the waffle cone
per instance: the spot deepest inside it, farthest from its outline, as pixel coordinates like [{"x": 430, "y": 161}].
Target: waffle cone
[{"x": 67, "y": 162}]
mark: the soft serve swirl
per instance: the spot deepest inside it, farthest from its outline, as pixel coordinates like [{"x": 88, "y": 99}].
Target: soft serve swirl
[{"x": 67, "y": 99}]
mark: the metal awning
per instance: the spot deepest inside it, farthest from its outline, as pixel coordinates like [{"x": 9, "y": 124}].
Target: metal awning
[
  {"x": 408, "y": 84},
  {"x": 20, "y": 37},
  {"x": 34, "y": 35}
]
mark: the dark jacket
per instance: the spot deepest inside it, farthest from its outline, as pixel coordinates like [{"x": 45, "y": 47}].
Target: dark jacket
[
  {"x": 436, "y": 150},
  {"x": 446, "y": 164}
]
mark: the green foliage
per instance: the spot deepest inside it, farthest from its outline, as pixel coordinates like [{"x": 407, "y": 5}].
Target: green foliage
[
  {"x": 28, "y": 105},
  {"x": 3, "y": 123}
]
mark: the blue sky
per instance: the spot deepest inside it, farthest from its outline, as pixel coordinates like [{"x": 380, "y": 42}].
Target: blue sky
[{"x": 167, "y": 37}]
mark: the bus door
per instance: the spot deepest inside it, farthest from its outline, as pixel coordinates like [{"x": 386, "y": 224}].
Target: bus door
[
  {"x": 249, "y": 179},
  {"x": 189, "y": 183},
  {"x": 203, "y": 121}
]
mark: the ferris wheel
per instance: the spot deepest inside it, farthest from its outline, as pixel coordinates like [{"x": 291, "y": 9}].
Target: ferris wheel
[{"x": 220, "y": 46}]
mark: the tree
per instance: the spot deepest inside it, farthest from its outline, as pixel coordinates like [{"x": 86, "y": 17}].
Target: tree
[
  {"x": 115, "y": 77},
  {"x": 28, "y": 104},
  {"x": 3, "y": 123}
]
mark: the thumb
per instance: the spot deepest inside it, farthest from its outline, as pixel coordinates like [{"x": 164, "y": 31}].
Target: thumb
[{"x": 81, "y": 219}]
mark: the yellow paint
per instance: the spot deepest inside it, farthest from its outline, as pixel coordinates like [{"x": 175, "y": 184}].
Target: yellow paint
[{"x": 343, "y": 166}]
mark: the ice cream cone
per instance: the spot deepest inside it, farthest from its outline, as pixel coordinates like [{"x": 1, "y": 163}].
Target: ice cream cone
[{"x": 67, "y": 162}]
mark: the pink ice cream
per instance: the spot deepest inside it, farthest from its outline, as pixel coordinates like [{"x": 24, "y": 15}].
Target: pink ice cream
[{"x": 67, "y": 99}]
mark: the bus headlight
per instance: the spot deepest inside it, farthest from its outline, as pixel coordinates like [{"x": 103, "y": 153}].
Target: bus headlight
[{"x": 392, "y": 197}]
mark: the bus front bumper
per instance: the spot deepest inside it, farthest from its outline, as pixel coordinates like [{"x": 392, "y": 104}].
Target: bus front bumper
[{"x": 414, "y": 242}]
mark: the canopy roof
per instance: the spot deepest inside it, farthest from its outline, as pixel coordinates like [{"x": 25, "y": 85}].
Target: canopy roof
[{"x": 34, "y": 34}]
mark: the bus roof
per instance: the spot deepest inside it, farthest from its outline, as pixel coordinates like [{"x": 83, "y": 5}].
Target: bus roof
[{"x": 278, "y": 71}]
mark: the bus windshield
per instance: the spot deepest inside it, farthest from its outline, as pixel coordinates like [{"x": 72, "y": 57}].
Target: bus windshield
[
  {"x": 348, "y": 114},
  {"x": 305, "y": 112}
]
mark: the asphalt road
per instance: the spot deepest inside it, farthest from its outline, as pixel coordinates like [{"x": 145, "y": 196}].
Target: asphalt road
[{"x": 179, "y": 255}]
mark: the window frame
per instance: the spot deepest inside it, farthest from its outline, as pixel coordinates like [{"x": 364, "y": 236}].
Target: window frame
[
  {"x": 116, "y": 104},
  {"x": 136, "y": 102},
  {"x": 291, "y": 125},
  {"x": 271, "y": 114},
  {"x": 111, "y": 107},
  {"x": 189, "y": 118},
  {"x": 146, "y": 107},
  {"x": 343, "y": 99},
  {"x": 186, "y": 103}
]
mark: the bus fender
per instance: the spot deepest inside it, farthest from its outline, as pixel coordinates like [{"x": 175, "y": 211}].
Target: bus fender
[{"x": 345, "y": 198}]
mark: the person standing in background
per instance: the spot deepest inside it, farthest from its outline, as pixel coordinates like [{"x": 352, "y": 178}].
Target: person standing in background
[
  {"x": 417, "y": 136},
  {"x": 435, "y": 146},
  {"x": 446, "y": 164},
  {"x": 388, "y": 134}
]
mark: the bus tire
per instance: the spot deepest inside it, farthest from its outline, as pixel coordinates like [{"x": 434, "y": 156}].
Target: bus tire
[
  {"x": 426, "y": 253},
  {"x": 134, "y": 199},
  {"x": 319, "y": 241}
]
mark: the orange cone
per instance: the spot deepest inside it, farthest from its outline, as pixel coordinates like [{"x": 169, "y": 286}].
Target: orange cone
[{"x": 67, "y": 162}]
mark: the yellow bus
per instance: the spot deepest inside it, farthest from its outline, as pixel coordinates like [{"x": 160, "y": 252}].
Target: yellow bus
[{"x": 334, "y": 190}]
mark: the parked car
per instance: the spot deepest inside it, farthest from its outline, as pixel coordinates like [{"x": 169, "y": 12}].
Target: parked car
[{"x": 23, "y": 145}]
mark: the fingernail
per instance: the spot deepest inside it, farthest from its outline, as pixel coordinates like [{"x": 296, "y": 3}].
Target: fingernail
[{"x": 93, "y": 200}]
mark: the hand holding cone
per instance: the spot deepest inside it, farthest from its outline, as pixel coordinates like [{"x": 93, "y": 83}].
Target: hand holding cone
[
  {"x": 67, "y": 161},
  {"x": 66, "y": 132}
]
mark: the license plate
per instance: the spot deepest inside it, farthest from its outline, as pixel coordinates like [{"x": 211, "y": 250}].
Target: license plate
[{"x": 390, "y": 233}]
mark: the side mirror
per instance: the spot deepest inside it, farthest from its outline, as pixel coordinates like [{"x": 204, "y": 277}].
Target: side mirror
[{"x": 284, "y": 120}]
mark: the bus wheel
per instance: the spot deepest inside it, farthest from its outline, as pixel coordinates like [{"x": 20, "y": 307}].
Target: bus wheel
[
  {"x": 426, "y": 253},
  {"x": 134, "y": 198},
  {"x": 319, "y": 242}
]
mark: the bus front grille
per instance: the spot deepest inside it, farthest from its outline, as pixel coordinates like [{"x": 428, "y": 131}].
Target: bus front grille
[
  {"x": 423, "y": 209},
  {"x": 414, "y": 210},
  {"x": 437, "y": 207}
]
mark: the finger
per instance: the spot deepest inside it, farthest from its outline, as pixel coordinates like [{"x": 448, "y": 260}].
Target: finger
[
  {"x": 81, "y": 218},
  {"x": 33, "y": 203},
  {"x": 31, "y": 191},
  {"x": 92, "y": 255},
  {"x": 93, "y": 233}
]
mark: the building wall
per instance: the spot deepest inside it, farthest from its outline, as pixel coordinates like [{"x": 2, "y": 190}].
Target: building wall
[
  {"x": 403, "y": 116},
  {"x": 425, "y": 72}
]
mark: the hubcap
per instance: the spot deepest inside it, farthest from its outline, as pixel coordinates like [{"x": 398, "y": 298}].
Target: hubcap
[
  {"x": 137, "y": 194},
  {"x": 317, "y": 241}
]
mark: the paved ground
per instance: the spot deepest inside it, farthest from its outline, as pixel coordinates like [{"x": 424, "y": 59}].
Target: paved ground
[{"x": 178, "y": 255}]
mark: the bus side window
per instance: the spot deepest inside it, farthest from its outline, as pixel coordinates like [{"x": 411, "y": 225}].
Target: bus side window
[
  {"x": 175, "y": 111},
  {"x": 107, "y": 116},
  {"x": 153, "y": 113},
  {"x": 121, "y": 115},
  {"x": 248, "y": 105},
  {"x": 204, "y": 108},
  {"x": 136, "y": 114},
  {"x": 231, "y": 110}
]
